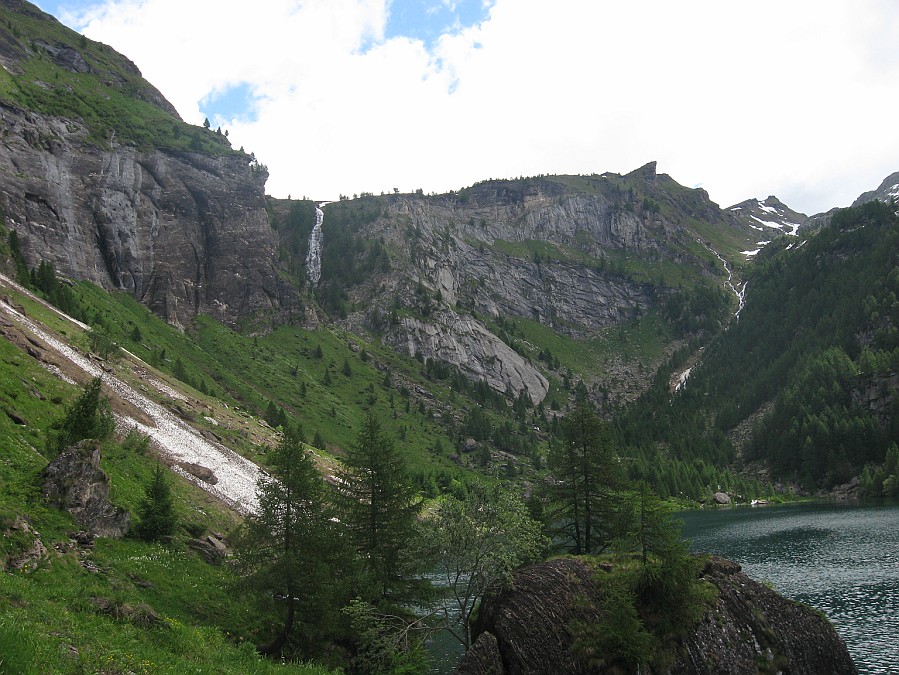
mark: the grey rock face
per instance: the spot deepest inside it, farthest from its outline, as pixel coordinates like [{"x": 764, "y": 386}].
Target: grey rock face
[
  {"x": 470, "y": 258},
  {"x": 888, "y": 190},
  {"x": 184, "y": 233},
  {"x": 75, "y": 482},
  {"x": 477, "y": 352}
]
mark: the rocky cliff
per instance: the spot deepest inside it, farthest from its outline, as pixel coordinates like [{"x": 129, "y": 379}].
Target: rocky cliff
[
  {"x": 524, "y": 627},
  {"x": 888, "y": 191},
  {"x": 575, "y": 254},
  {"x": 100, "y": 177}
]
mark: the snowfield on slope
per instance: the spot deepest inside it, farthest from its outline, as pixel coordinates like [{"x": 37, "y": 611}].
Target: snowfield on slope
[{"x": 175, "y": 440}]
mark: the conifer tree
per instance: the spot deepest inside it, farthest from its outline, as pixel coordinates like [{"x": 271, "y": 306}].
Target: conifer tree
[
  {"x": 379, "y": 505},
  {"x": 156, "y": 511},
  {"x": 584, "y": 480},
  {"x": 285, "y": 549},
  {"x": 89, "y": 416}
]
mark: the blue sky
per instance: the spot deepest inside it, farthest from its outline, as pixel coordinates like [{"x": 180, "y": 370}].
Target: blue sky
[
  {"x": 745, "y": 99},
  {"x": 428, "y": 20}
]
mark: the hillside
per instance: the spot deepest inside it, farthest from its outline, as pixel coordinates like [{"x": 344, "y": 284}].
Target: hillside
[
  {"x": 101, "y": 178},
  {"x": 802, "y": 389},
  {"x": 519, "y": 282},
  {"x": 525, "y": 291},
  {"x": 73, "y": 602}
]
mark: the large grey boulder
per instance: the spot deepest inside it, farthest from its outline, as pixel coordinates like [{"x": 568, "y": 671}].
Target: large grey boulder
[
  {"x": 523, "y": 627},
  {"x": 75, "y": 482}
]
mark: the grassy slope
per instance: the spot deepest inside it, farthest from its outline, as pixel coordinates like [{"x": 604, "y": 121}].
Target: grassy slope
[
  {"x": 252, "y": 371},
  {"x": 49, "y": 620},
  {"x": 110, "y": 100}
]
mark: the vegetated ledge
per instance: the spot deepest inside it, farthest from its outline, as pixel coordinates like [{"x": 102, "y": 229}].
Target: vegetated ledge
[{"x": 523, "y": 627}]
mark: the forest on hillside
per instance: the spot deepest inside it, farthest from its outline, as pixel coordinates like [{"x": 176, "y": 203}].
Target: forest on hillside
[{"x": 809, "y": 367}]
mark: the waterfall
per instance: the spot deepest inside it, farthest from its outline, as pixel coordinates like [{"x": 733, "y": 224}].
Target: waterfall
[{"x": 314, "y": 256}]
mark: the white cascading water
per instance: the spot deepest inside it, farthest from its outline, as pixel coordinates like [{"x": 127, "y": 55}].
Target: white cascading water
[{"x": 314, "y": 256}]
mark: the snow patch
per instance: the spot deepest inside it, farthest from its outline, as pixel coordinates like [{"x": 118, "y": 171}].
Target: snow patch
[
  {"x": 767, "y": 223},
  {"x": 178, "y": 441}
]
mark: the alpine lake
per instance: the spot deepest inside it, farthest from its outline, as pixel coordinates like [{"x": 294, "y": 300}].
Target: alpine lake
[{"x": 841, "y": 559}]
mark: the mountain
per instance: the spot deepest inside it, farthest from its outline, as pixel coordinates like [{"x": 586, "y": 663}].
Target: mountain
[
  {"x": 770, "y": 217},
  {"x": 107, "y": 184},
  {"x": 536, "y": 288},
  {"x": 104, "y": 181},
  {"x": 501, "y": 278},
  {"x": 802, "y": 389},
  {"x": 887, "y": 192}
]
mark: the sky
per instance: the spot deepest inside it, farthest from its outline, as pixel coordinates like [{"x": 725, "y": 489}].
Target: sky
[{"x": 745, "y": 99}]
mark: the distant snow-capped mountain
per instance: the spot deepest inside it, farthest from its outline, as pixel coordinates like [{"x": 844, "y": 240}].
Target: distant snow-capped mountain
[{"x": 770, "y": 218}]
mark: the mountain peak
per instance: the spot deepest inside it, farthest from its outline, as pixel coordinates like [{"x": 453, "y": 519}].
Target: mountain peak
[
  {"x": 769, "y": 215},
  {"x": 889, "y": 189},
  {"x": 648, "y": 170}
]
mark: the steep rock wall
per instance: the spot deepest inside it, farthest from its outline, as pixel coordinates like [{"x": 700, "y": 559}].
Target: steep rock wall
[{"x": 184, "y": 233}]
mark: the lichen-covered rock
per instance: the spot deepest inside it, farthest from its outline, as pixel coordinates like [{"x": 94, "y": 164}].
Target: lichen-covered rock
[
  {"x": 75, "y": 482},
  {"x": 22, "y": 547},
  {"x": 523, "y": 627}
]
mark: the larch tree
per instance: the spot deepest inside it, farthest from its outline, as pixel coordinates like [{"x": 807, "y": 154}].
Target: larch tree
[
  {"x": 284, "y": 551},
  {"x": 584, "y": 479},
  {"x": 379, "y": 505}
]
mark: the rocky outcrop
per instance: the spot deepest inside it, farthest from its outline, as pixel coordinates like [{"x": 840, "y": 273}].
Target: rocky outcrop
[
  {"x": 22, "y": 547},
  {"x": 467, "y": 344},
  {"x": 523, "y": 627},
  {"x": 75, "y": 482},
  {"x": 769, "y": 218},
  {"x": 577, "y": 254},
  {"x": 886, "y": 192},
  {"x": 183, "y": 232}
]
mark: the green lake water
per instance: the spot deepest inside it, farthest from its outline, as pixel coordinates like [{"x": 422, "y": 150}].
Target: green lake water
[{"x": 840, "y": 559}]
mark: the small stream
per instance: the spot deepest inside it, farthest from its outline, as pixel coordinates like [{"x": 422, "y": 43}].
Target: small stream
[{"x": 739, "y": 292}]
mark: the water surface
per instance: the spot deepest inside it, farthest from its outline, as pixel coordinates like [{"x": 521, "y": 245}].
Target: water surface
[{"x": 840, "y": 559}]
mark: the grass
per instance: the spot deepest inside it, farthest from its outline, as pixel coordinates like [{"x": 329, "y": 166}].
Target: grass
[
  {"x": 248, "y": 372},
  {"x": 639, "y": 341},
  {"x": 140, "y": 614},
  {"x": 151, "y": 607},
  {"x": 111, "y": 100}
]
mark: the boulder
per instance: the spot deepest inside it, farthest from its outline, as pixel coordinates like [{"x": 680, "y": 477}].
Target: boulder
[
  {"x": 721, "y": 498},
  {"x": 22, "y": 547},
  {"x": 212, "y": 549},
  {"x": 75, "y": 482},
  {"x": 522, "y": 627}
]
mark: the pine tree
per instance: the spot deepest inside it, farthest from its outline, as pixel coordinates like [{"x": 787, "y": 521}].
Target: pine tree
[
  {"x": 156, "y": 511},
  {"x": 287, "y": 550},
  {"x": 90, "y": 416},
  {"x": 379, "y": 505}
]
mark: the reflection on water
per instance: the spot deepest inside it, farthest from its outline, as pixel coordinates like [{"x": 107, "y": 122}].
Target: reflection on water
[{"x": 842, "y": 560}]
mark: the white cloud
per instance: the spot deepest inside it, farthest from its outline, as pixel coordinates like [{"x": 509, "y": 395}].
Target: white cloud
[{"x": 746, "y": 98}]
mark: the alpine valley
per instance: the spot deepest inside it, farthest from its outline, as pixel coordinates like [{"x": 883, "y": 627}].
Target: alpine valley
[{"x": 725, "y": 354}]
